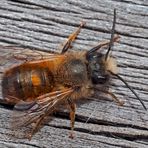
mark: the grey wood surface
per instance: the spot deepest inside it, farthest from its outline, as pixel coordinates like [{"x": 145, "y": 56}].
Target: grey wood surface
[{"x": 44, "y": 25}]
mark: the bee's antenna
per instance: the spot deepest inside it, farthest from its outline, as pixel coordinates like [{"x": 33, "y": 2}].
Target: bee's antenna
[
  {"x": 112, "y": 36},
  {"x": 120, "y": 78}
]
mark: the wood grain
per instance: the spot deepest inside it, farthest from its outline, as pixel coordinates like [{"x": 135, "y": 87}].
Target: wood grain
[{"x": 44, "y": 25}]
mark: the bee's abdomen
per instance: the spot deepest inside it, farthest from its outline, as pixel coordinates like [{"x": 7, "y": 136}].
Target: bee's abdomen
[{"x": 27, "y": 83}]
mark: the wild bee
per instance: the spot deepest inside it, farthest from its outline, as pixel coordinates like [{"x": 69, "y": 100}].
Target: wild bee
[{"x": 37, "y": 88}]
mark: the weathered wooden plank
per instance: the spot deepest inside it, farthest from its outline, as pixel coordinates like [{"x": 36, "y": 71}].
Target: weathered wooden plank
[{"x": 45, "y": 25}]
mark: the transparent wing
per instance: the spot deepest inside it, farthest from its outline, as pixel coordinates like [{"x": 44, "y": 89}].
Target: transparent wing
[
  {"x": 14, "y": 55},
  {"x": 28, "y": 117},
  {"x": 10, "y": 57}
]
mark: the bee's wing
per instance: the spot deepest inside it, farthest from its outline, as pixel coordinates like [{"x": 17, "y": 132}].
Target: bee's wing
[
  {"x": 28, "y": 116},
  {"x": 11, "y": 57},
  {"x": 14, "y": 55}
]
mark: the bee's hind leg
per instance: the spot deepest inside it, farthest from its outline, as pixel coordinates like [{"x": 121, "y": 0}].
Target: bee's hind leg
[{"x": 72, "y": 107}]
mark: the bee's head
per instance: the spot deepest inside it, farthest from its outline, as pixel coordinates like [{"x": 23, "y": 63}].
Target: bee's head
[
  {"x": 99, "y": 68},
  {"x": 102, "y": 67}
]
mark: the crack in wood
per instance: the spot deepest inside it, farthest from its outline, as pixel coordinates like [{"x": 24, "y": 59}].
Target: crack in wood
[
  {"x": 27, "y": 144},
  {"x": 130, "y": 2},
  {"x": 83, "y": 119},
  {"x": 45, "y": 6},
  {"x": 105, "y": 133}
]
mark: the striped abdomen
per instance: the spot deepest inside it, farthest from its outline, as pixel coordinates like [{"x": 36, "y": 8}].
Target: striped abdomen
[{"x": 26, "y": 83}]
